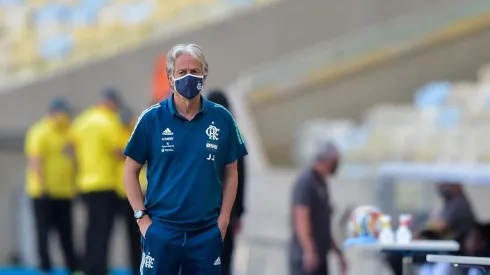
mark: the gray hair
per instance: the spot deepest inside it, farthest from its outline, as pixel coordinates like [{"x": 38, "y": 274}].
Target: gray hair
[
  {"x": 326, "y": 151},
  {"x": 190, "y": 49}
]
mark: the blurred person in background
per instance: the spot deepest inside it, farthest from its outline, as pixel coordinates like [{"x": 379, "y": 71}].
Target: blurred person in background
[
  {"x": 161, "y": 87},
  {"x": 50, "y": 182},
  {"x": 98, "y": 150},
  {"x": 124, "y": 208},
  {"x": 235, "y": 226},
  {"x": 311, "y": 217},
  {"x": 187, "y": 142},
  {"x": 454, "y": 220},
  {"x": 456, "y": 216}
]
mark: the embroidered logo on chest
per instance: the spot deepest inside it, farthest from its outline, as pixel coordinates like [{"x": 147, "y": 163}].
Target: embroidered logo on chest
[
  {"x": 167, "y": 138},
  {"x": 212, "y": 131}
]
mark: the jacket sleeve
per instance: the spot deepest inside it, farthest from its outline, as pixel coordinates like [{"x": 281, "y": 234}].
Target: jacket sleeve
[{"x": 239, "y": 206}]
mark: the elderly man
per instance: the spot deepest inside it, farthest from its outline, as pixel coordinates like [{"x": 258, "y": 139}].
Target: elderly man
[
  {"x": 187, "y": 142},
  {"x": 311, "y": 213}
]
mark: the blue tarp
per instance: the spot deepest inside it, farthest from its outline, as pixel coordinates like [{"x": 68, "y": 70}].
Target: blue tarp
[
  {"x": 93, "y": 4},
  {"x": 56, "y": 47},
  {"x": 82, "y": 15},
  {"x": 449, "y": 116},
  {"x": 137, "y": 13},
  {"x": 51, "y": 12},
  {"x": 432, "y": 95}
]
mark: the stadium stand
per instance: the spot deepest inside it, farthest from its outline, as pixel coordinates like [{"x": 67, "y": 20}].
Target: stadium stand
[
  {"x": 383, "y": 63},
  {"x": 41, "y": 35},
  {"x": 447, "y": 122}
]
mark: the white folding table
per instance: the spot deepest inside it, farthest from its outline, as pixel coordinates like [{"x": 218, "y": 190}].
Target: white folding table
[
  {"x": 409, "y": 250},
  {"x": 475, "y": 262},
  {"x": 417, "y": 247}
]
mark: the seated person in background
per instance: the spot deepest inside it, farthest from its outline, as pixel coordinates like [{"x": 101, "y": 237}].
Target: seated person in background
[
  {"x": 454, "y": 220},
  {"x": 457, "y": 222},
  {"x": 456, "y": 216}
]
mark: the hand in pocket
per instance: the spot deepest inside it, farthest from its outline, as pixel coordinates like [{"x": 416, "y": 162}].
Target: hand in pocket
[
  {"x": 223, "y": 223},
  {"x": 144, "y": 223}
]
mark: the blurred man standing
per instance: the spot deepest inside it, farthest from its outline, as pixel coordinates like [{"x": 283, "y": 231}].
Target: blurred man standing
[
  {"x": 97, "y": 149},
  {"x": 234, "y": 227},
  {"x": 50, "y": 182},
  {"x": 311, "y": 214},
  {"x": 123, "y": 207}
]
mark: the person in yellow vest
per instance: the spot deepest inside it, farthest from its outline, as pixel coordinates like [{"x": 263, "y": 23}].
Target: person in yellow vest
[
  {"x": 96, "y": 145},
  {"x": 50, "y": 182},
  {"x": 128, "y": 122}
]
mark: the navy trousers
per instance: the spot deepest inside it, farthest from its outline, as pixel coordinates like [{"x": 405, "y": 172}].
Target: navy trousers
[{"x": 166, "y": 251}]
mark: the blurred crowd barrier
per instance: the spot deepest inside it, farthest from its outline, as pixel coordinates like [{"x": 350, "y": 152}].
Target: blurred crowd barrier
[
  {"x": 447, "y": 122},
  {"x": 42, "y": 35},
  {"x": 365, "y": 47}
]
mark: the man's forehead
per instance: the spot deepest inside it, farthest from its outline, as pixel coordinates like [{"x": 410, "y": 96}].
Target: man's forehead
[{"x": 187, "y": 61}]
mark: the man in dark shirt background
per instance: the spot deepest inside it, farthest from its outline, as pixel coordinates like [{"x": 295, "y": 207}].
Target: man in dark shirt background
[
  {"x": 311, "y": 214},
  {"x": 456, "y": 217},
  {"x": 234, "y": 227},
  {"x": 453, "y": 222}
]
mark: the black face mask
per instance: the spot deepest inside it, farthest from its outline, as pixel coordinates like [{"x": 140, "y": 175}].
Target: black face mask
[{"x": 446, "y": 193}]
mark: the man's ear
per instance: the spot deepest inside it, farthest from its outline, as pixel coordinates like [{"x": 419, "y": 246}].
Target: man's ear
[{"x": 170, "y": 81}]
